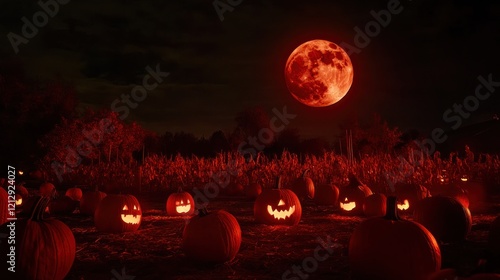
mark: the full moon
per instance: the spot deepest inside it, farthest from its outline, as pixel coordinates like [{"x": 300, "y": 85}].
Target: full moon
[{"x": 318, "y": 73}]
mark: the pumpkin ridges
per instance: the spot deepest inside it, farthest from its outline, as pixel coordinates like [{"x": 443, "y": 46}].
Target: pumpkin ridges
[
  {"x": 212, "y": 237},
  {"x": 47, "y": 247},
  {"x": 391, "y": 249}
]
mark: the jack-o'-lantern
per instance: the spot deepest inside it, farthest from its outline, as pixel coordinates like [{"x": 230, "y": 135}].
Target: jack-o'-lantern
[
  {"x": 352, "y": 197},
  {"x": 409, "y": 195},
  {"x": 19, "y": 200},
  {"x": 180, "y": 204},
  {"x": 277, "y": 206},
  {"x": 118, "y": 213}
]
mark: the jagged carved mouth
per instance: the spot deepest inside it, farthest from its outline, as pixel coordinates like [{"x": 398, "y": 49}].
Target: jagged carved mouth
[
  {"x": 280, "y": 214},
  {"x": 131, "y": 218},
  {"x": 404, "y": 206}
]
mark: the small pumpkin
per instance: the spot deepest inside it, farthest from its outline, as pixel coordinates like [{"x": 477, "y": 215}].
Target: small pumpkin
[
  {"x": 409, "y": 195},
  {"x": 352, "y": 196},
  {"x": 45, "y": 248},
  {"x": 375, "y": 205},
  {"x": 303, "y": 186},
  {"x": 252, "y": 190},
  {"x": 213, "y": 237},
  {"x": 180, "y": 204},
  {"x": 326, "y": 194},
  {"x": 118, "y": 213},
  {"x": 74, "y": 193},
  {"x": 47, "y": 189},
  {"x": 391, "y": 248},
  {"x": 277, "y": 206},
  {"x": 89, "y": 202},
  {"x": 445, "y": 217}
]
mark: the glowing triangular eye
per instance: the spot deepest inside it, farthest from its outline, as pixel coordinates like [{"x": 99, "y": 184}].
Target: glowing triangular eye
[
  {"x": 182, "y": 201},
  {"x": 125, "y": 207},
  {"x": 135, "y": 207},
  {"x": 188, "y": 202},
  {"x": 281, "y": 203}
]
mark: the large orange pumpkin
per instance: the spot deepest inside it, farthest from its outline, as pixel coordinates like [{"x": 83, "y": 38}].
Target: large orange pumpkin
[
  {"x": 118, "y": 213},
  {"x": 45, "y": 248},
  {"x": 277, "y": 206},
  {"x": 213, "y": 237},
  {"x": 390, "y": 248},
  {"x": 445, "y": 217}
]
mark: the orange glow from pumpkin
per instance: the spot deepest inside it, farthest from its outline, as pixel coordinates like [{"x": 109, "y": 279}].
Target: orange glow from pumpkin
[
  {"x": 464, "y": 179},
  {"x": 131, "y": 218},
  {"x": 19, "y": 201},
  {"x": 21, "y": 172},
  {"x": 347, "y": 206},
  {"x": 181, "y": 207},
  {"x": 404, "y": 206},
  {"x": 280, "y": 214}
]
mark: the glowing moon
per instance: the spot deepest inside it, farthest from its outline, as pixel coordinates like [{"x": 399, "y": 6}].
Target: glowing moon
[{"x": 318, "y": 73}]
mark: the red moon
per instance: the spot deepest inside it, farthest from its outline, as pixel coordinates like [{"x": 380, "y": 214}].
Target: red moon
[{"x": 318, "y": 73}]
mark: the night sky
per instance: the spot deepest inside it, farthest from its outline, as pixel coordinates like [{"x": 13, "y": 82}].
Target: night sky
[{"x": 426, "y": 59}]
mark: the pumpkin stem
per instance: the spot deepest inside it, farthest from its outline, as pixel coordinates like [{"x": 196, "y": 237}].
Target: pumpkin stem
[
  {"x": 203, "y": 212},
  {"x": 278, "y": 183},
  {"x": 39, "y": 208},
  {"x": 304, "y": 174},
  {"x": 392, "y": 210}
]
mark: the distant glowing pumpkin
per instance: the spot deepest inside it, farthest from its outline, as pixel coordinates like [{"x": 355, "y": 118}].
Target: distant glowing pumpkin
[
  {"x": 180, "y": 204},
  {"x": 118, "y": 213}
]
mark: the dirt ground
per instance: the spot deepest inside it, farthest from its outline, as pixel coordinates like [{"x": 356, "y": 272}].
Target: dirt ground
[{"x": 267, "y": 252}]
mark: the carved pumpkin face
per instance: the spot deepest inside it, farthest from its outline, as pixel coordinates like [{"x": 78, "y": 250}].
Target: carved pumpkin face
[
  {"x": 404, "y": 206},
  {"x": 132, "y": 216},
  {"x": 409, "y": 195},
  {"x": 19, "y": 200},
  {"x": 180, "y": 204},
  {"x": 347, "y": 205},
  {"x": 277, "y": 207},
  {"x": 352, "y": 199},
  {"x": 118, "y": 213}
]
